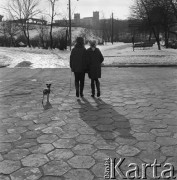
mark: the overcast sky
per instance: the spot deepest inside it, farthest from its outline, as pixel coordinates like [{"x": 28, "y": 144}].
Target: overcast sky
[{"x": 120, "y": 8}]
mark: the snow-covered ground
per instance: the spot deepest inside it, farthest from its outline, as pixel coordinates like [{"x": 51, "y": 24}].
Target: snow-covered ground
[
  {"x": 118, "y": 53},
  {"x": 126, "y": 55},
  {"x": 39, "y": 58}
]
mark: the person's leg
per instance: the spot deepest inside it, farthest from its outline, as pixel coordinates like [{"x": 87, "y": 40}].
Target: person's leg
[
  {"x": 77, "y": 83},
  {"x": 98, "y": 87},
  {"x": 82, "y": 80},
  {"x": 93, "y": 87}
]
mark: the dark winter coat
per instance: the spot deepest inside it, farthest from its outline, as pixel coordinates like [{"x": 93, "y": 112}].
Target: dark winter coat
[
  {"x": 94, "y": 60},
  {"x": 78, "y": 59}
]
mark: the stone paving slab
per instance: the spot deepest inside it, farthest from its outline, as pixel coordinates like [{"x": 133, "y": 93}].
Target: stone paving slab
[{"x": 70, "y": 138}]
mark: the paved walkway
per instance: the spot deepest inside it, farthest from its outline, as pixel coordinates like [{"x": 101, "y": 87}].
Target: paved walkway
[{"x": 70, "y": 139}]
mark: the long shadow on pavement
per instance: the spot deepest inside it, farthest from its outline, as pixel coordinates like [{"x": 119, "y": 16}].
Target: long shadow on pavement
[{"x": 106, "y": 121}]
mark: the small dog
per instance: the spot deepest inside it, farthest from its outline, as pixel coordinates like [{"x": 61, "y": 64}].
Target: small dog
[{"x": 46, "y": 92}]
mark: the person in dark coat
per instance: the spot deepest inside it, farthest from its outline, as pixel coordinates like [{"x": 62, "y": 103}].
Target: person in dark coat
[
  {"x": 95, "y": 58},
  {"x": 78, "y": 65}
]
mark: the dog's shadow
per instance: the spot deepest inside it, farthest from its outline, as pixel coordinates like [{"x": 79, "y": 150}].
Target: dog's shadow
[{"x": 47, "y": 106}]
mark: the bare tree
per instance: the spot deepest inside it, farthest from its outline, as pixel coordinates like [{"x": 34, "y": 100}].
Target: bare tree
[
  {"x": 43, "y": 32},
  {"x": 174, "y": 6},
  {"x": 52, "y": 15},
  {"x": 21, "y": 11},
  {"x": 105, "y": 26},
  {"x": 145, "y": 11},
  {"x": 159, "y": 15},
  {"x": 166, "y": 18},
  {"x": 12, "y": 31},
  {"x": 9, "y": 31},
  {"x": 4, "y": 33}
]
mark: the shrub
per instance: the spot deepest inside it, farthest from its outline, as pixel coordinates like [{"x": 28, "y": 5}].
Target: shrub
[
  {"x": 62, "y": 43},
  {"x": 24, "y": 64}
]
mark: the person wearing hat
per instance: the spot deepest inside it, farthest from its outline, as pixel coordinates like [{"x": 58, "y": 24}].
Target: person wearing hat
[
  {"x": 95, "y": 58},
  {"x": 78, "y": 65}
]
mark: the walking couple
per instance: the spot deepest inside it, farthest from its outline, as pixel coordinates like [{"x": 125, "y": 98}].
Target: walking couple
[{"x": 86, "y": 61}]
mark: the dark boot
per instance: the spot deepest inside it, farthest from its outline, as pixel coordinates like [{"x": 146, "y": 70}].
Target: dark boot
[
  {"x": 77, "y": 93},
  {"x": 93, "y": 87},
  {"x": 82, "y": 80},
  {"x": 98, "y": 87},
  {"x": 77, "y": 88},
  {"x": 81, "y": 89},
  {"x": 81, "y": 94}
]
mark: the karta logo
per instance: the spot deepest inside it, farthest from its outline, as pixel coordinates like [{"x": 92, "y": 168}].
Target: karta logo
[{"x": 135, "y": 171}]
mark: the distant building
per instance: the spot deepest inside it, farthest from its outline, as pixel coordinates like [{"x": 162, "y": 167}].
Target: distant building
[
  {"x": 77, "y": 19},
  {"x": 1, "y": 18},
  {"x": 84, "y": 22},
  {"x": 62, "y": 23},
  {"x": 37, "y": 21},
  {"x": 87, "y": 21},
  {"x": 96, "y": 18},
  {"x": 31, "y": 21}
]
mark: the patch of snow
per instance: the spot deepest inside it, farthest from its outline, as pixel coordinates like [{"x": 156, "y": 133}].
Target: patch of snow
[
  {"x": 38, "y": 57},
  {"x": 118, "y": 53},
  {"x": 124, "y": 54}
]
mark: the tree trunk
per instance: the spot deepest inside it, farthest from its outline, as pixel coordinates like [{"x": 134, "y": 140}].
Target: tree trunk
[
  {"x": 42, "y": 40},
  {"x": 166, "y": 37},
  {"x": 11, "y": 40},
  {"x": 26, "y": 34},
  {"x": 150, "y": 35},
  {"x": 66, "y": 37},
  {"x": 156, "y": 34},
  {"x": 28, "y": 37},
  {"x": 51, "y": 25},
  {"x": 28, "y": 40},
  {"x": 51, "y": 38}
]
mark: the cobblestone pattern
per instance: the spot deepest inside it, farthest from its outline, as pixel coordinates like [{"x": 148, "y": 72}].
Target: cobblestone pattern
[{"x": 69, "y": 139}]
